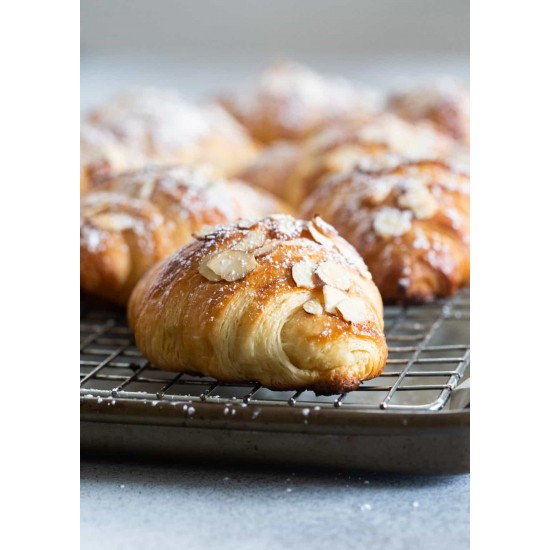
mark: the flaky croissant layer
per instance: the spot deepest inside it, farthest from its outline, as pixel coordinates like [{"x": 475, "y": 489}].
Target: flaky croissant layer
[
  {"x": 280, "y": 301},
  {"x": 411, "y": 223},
  {"x": 133, "y": 220}
]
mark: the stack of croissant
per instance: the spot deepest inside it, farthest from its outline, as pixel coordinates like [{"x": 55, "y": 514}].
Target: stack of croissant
[{"x": 255, "y": 237}]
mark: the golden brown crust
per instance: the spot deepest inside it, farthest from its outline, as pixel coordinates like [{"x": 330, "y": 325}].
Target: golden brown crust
[
  {"x": 131, "y": 221},
  {"x": 290, "y": 102},
  {"x": 143, "y": 127},
  {"x": 274, "y": 168},
  {"x": 410, "y": 223},
  {"x": 293, "y": 171},
  {"x": 280, "y": 301}
]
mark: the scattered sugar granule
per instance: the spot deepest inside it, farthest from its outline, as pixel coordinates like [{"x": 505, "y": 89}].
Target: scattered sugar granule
[{"x": 365, "y": 507}]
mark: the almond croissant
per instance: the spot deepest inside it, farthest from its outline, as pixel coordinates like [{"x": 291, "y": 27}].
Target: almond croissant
[
  {"x": 293, "y": 172},
  {"x": 410, "y": 223},
  {"x": 141, "y": 127},
  {"x": 137, "y": 218},
  {"x": 445, "y": 103},
  {"x": 280, "y": 301},
  {"x": 289, "y": 101}
]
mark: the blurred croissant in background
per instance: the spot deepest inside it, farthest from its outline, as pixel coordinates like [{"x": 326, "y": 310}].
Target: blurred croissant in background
[{"x": 131, "y": 221}]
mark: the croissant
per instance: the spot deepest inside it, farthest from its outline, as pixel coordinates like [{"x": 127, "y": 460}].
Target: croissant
[
  {"x": 274, "y": 168},
  {"x": 445, "y": 103},
  {"x": 410, "y": 224},
  {"x": 279, "y": 301},
  {"x": 293, "y": 172},
  {"x": 131, "y": 221},
  {"x": 143, "y": 127},
  {"x": 289, "y": 102}
]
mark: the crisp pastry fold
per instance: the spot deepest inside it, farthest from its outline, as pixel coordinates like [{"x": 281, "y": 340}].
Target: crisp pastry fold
[
  {"x": 131, "y": 221},
  {"x": 147, "y": 126},
  {"x": 280, "y": 301},
  {"x": 410, "y": 223}
]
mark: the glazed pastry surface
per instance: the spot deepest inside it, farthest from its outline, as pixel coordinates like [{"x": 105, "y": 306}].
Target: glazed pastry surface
[
  {"x": 131, "y": 221},
  {"x": 410, "y": 223},
  {"x": 280, "y": 301}
]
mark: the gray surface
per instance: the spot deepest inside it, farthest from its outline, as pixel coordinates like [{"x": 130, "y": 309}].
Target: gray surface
[{"x": 195, "y": 506}]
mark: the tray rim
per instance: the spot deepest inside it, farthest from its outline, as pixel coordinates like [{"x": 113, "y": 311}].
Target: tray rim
[{"x": 275, "y": 418}]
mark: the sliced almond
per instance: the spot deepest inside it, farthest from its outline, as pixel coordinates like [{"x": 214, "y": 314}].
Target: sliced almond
[
  {"x": 247, "y": 223},
  {"x": 113, "y": 221},
  {"x": 420, "y": 200},
  {"x": 317, "y": 235},
  {"x": 206, "y": 232},
  {"x": 268, "y": 247},
  {"x": 303, "y": 273},
  {"x": 354, "y": 310},
  {"x": 206, "y": 272},
  {"x": 332, "y": 296},
  {"x": 323, "y": 226},
  {"x": 251, "y": 241},
  {"x": 333, "y": 274},
  {"x": 232, "y": 265},
  {"x": 313, "y": 306},
  {"x": 392, "y": 222},
  {"x": 352, "y": 257},
  {"x": 147, "y": 188}
]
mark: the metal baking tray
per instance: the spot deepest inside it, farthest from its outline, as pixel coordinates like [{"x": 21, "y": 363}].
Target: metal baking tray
[{"x": 409, "y": 419}]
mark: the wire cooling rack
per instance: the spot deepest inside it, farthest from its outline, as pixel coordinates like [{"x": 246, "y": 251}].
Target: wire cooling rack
[{"x": 428, "y": 356}]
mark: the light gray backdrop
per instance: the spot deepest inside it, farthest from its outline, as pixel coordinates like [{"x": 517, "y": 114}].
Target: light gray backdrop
[{"x": 202, "y": 45}]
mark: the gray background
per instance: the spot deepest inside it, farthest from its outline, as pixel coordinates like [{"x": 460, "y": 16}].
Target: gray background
[
  {"x": 263, "y": 27},
  {"x": 200, "y": 47},
  {"x": 204, "y": 45}
]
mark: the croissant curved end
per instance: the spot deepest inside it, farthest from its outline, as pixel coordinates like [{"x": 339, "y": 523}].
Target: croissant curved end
[{"x": 280, "y": 301}]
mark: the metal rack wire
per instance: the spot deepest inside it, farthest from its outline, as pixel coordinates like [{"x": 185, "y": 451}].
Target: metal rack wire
[{"x": 429, "y": 355}]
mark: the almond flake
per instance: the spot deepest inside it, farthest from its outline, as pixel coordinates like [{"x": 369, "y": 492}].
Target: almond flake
[
  {"x": 333, "y": 274},
  {"x": 247, "y": 223},
  {"x": 147, "y": 188},
  {"x": 419, "y": 199},
  {"x": 113, "y": 221},
  {"x": 268, "y": 247},
  {"x": 232, "y": 265},
  {"x": 350, "y": 254},
  {"x": 333, "y": 297},
  {"x": 206, "y": 232},
  {"x": 251, "y": 241},
  {"x": 392, "y": 222},
  {"x": 313, "y": 306},
  {"x": 323, "y": 226},
  {"x": 303, "y": 273},
  {"x": 206, "y": 272},
  {"x": 317, "y": 235},
  {"x": 354, "y": 310}
]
